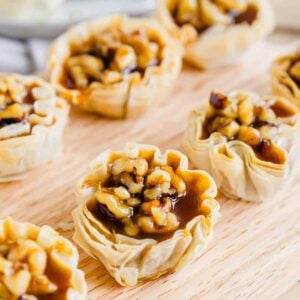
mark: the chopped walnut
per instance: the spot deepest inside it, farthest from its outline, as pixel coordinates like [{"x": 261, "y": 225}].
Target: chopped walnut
[
  {"x": 110, "y": 56},
  {"x": 37, "y": 263},
  {"x": 141, "y": 197},
  {"x": 294, "y": 68},
  {"x": 23, "y": 270},
  {"x": 23, "y": 105},
  {"x": 254, "y": 123},
  {"x": 203, "y": 14}
]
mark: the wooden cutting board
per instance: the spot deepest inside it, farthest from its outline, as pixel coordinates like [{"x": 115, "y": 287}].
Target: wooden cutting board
[{"x": 254, "y": 251}]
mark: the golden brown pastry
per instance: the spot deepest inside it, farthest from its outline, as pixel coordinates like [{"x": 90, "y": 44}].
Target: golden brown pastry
[
  {"x": 216, "y": 32},
  {"x": 115, "y": 66},
  {"x": 37, "y": 263},
  {"x": 143, "y": 213},
  {"x": 32, "y": 120},
  {"x": 248, "y": 143},
  {"x": 286, "y": 77}
]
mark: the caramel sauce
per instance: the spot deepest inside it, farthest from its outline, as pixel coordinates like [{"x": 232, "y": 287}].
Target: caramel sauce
[
  {"x": 294, "y": 62},
  {"x": 29, "y": 99},
  {"x": 264, "y": 149},
  {"x": 95, "y": 50},
  {"x": 185, "y": 208},
  {"x": 267, "y": 152},
  {"x": 248, "y": 16},
  {"x": 69, "y": 83},
  {"x": 6, "y": 122},
  {"x": 280, "y": 112},
  {"x": 60, "y": 277}
]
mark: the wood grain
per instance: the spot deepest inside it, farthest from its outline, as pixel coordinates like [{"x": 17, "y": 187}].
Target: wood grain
[{"x": 254, "y": 251}]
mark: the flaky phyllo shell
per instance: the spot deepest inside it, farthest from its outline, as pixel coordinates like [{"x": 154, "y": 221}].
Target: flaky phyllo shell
[
  {"x": 285, "y": 77},
  {"x": 115, "y": 66},
  {"x": 132, "y": 258},
  {"x": 250, "y": 158},
  {"x": 32, "y": 120},
  {"x": 216, "y": 32},
  {"x": 38, "y": 263}
]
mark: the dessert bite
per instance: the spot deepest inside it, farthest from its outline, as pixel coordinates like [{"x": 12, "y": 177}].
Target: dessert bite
[
  {"x": 148, "y": 205},
  {"x": 216, "y": 32},
  {"x": 38, "y": 263},
  {"x": 243, "y": 138},
  {"x": 32, "y": 121},
  {"x": 115, "y": 66},
  {"x": 285, "y": 77}
]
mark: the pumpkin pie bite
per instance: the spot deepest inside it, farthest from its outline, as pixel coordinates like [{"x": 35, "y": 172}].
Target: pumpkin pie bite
[
  {"x": 36, "y": 263},
  {"x": 285, "y": 76},
  {"x": 216, "y": 32},
  {"x": 115, "y": 66},
  {"x": 143, "y": 213},
  {"x": 32, "y": 121},
  {"x": 247, "y": 142}
]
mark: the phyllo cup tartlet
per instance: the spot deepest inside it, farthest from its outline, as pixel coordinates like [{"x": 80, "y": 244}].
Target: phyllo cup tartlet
[
  {"x": 285, "y": 77},
  {"x": 32, "y": 121},
  {"x": 143, "y": 213},
  {"x": 114, "y": 66},
  {"x": 37, "y": 263},
  {"x": 216, "y": 32},
  {"x": 248, "y": 143}
]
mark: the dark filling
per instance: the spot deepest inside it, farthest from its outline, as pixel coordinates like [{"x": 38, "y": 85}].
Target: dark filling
[
  {"x": 6, "y": 122},
  {"x": 263, "y": 149},
  {"x": 28, "y": 100},
  {"x": 185, "y": 208},
  {"x": 57, "y": 276},
  {"x": 296, "y": 78},
  {"x": 248, "y": 16},
  {"x": 107, "y": 58},
  {"x": 69, "y": 82}
]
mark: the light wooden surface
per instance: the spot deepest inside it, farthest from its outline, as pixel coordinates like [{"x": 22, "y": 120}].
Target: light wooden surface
[
  {"x": 292, "y": 294},
  {"x": 254, "y": 251}
]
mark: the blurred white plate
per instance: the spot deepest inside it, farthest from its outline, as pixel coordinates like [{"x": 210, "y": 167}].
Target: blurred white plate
[
  {"x": 50, "y": 24},
  {"x": 287, "y": 13}
]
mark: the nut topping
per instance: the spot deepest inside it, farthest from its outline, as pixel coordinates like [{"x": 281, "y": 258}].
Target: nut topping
[
  {"x": 36, "y": 263},
  {"x": 254, "y": 123},
  {"x": 203, "y": 14},
  {"x": 140, "y": 197},
  {"x": 111, "y": 56},
  {"x": 294, "y": 68},
  {"x": 22, "y": 270},
  {"x": 23, "y": 105}
]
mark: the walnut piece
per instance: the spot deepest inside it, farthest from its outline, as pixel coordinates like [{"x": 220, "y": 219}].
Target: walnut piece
[
  {"x": 36, "y": 263},
  {"x": 111, "y": 56},
  {"x": 255, "y": 124},
  {"x": 203, "y": 14},
  {"x": 23, "y": 105},
  {"x": 141, "y": 197},
  {"x": 23, "y": 270}
]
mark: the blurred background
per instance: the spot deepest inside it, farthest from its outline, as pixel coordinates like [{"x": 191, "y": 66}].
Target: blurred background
[{"x": 28, "y": 26}]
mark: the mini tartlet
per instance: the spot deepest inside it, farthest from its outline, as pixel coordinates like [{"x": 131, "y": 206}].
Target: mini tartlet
[
  {"x": 32, "y": 121},
  {"x": 216, "y": 32},
  {"x": 248, "y": 143},
  {"x": 285, "y": 76},
  {"x": 115, "y": 66},
  {"x": 38, "y": 263},
  {"x": 143, "y": 213}
]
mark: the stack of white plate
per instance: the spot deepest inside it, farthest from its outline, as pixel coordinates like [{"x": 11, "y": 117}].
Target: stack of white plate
[
  {"x": 48, "y": 18},
  {"x": 287, "y": 13}
]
